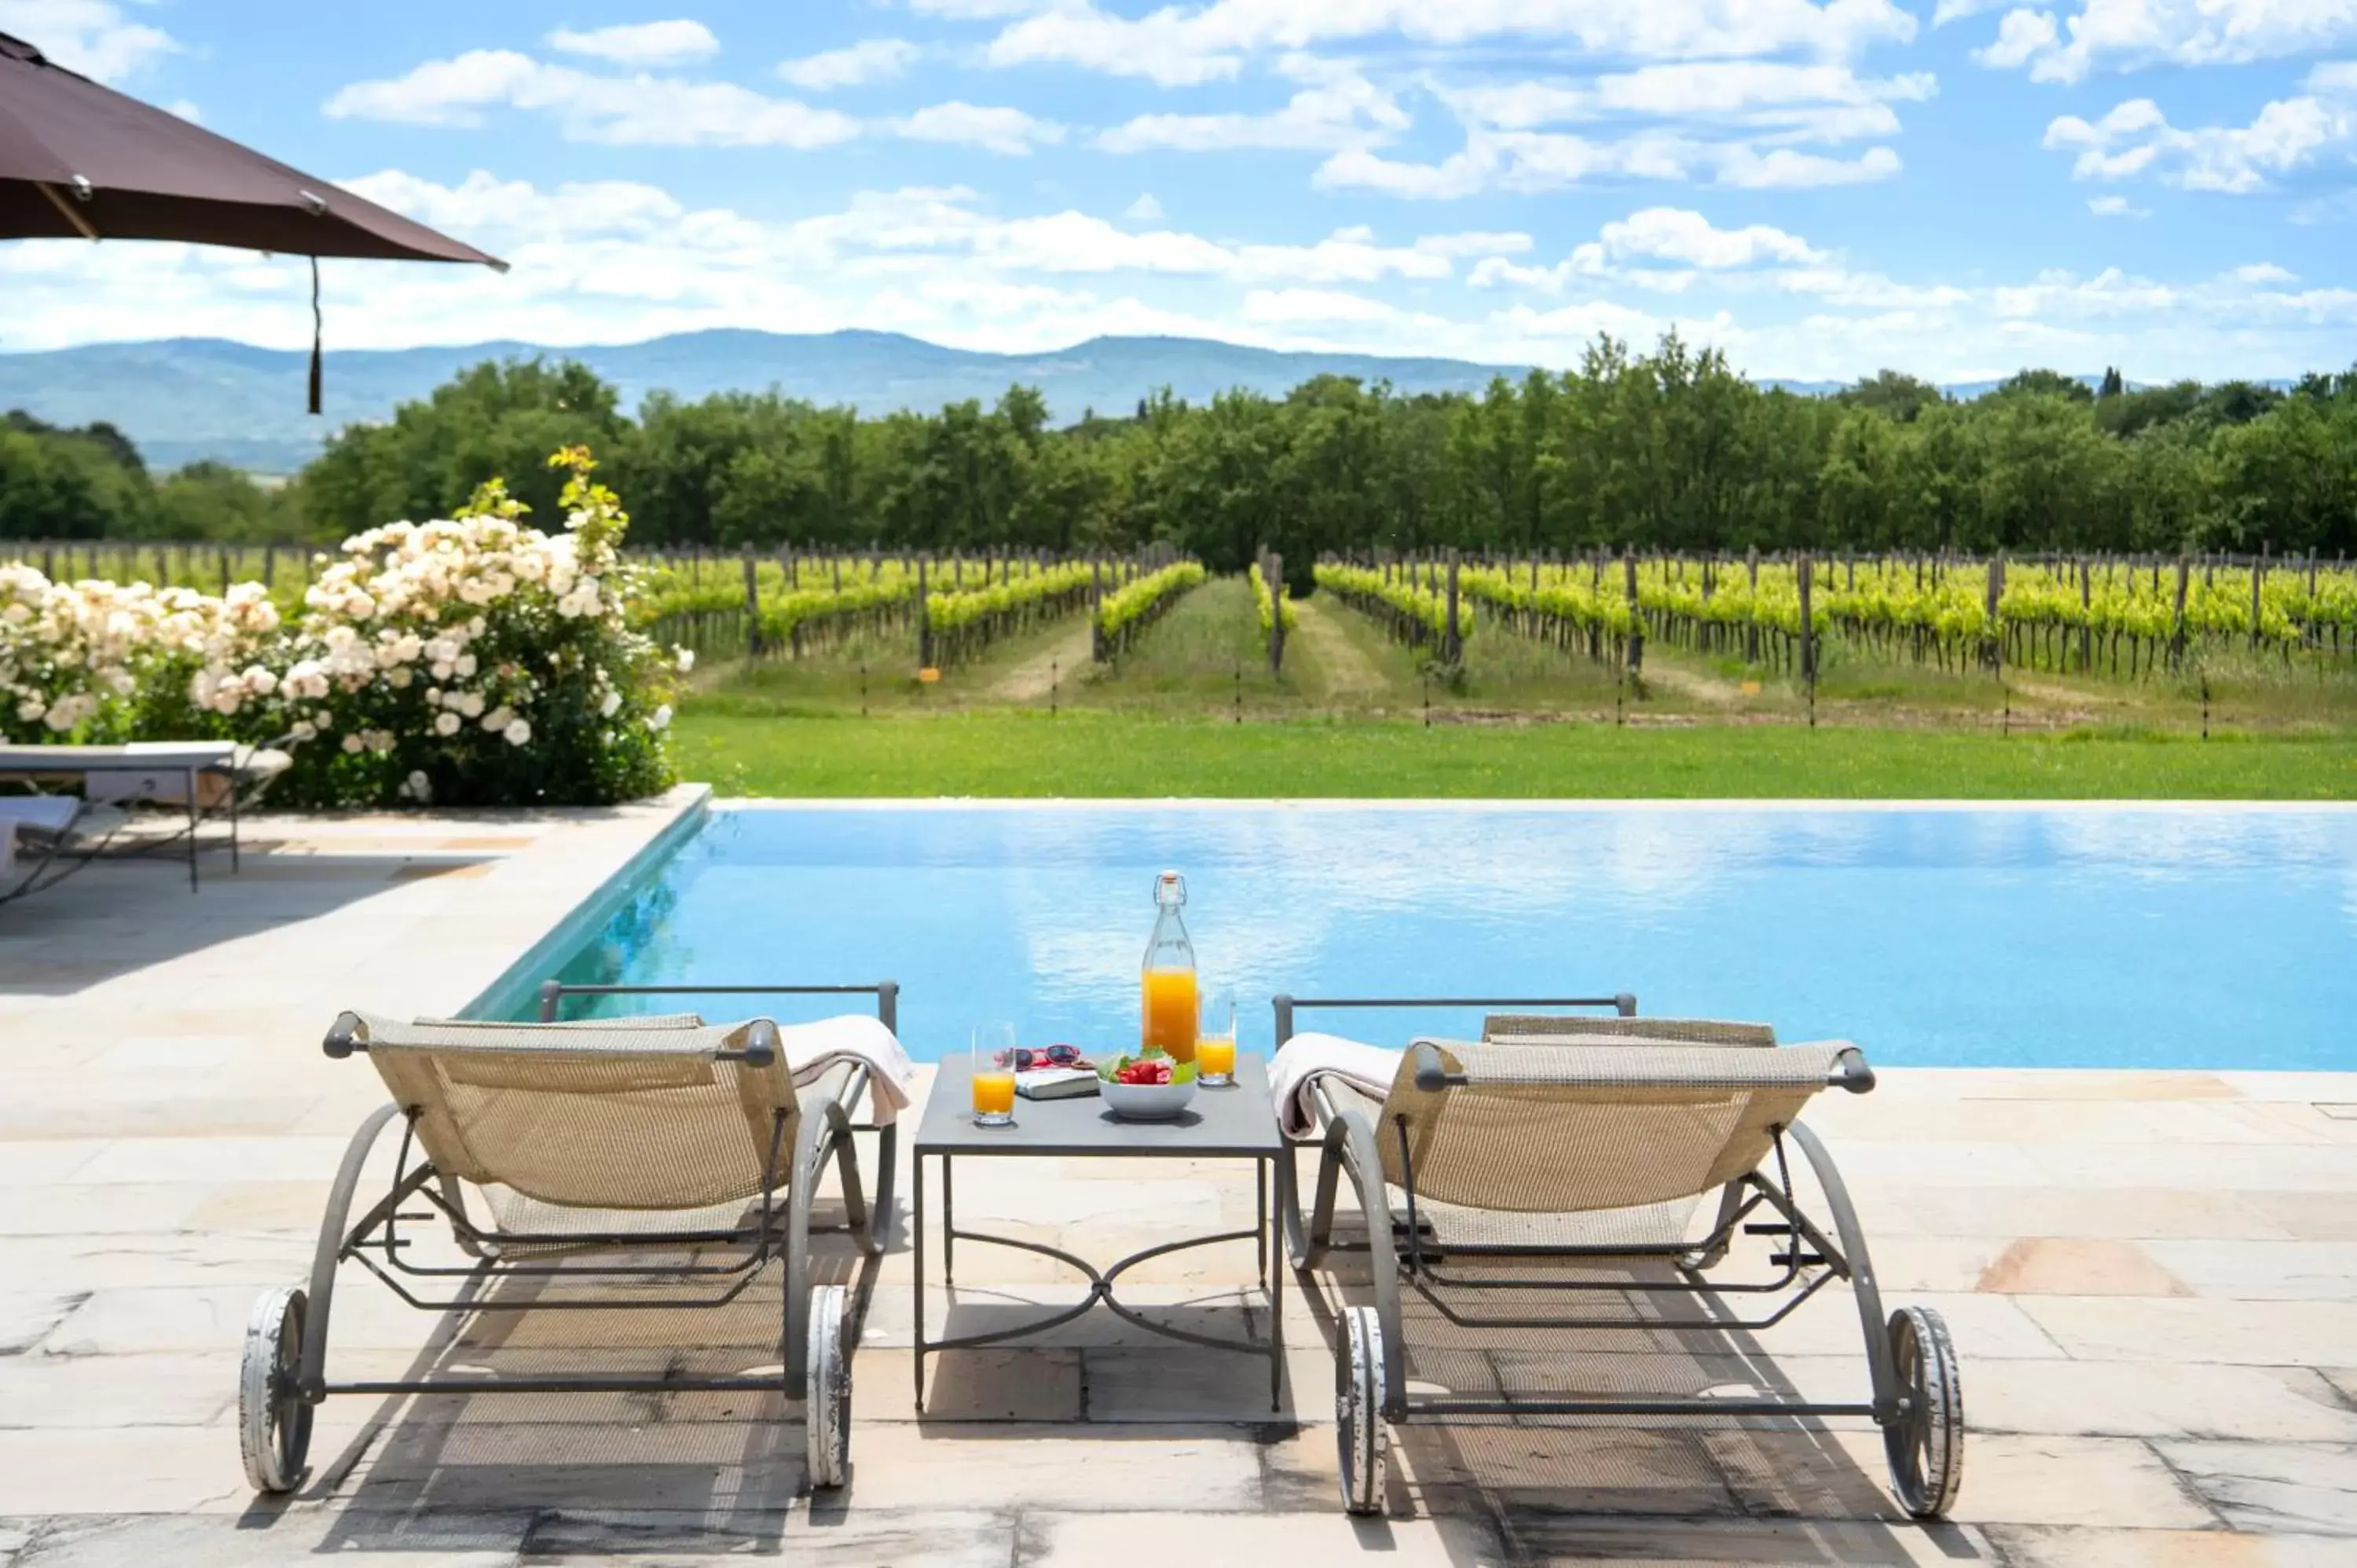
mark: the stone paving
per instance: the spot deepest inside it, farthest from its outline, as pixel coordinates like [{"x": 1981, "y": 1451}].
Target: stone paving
[{"x": 2149, "y": 1278}]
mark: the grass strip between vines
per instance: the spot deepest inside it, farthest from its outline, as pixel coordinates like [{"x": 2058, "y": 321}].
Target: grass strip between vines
[{"x": 1031, "y": 755}]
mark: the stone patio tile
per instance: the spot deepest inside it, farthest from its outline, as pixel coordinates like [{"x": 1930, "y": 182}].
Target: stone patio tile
[
  {"x": 2243, "y": 1333},
  {"x": 29, "y": 1115},
  {"x": 2071, "y": 1083},
  {"x": 50, "y": 1392},
  {"x": 2008, "y": 1478},
  {"x": 214, "y": 1159},
  {"x": 2213, "y": 1168},
  {"x": 99, "y": 1470},
  {"x": 1546, "y": 1539},
  {"x": 40, "y": 1163},
  {"x": 982, "y": 1309},
  {"x": 2027, "y": 1546},
  {"x": 2302, "y": 1217},
  {"x": 2121, "y": 1399},
  {"x": 1183, "y": 1382},
  {"x": 2122, "y": 1214},
  {"x": 986, "y": 1384},
  {"x": 1111, "y": 1469},
  {"x": 2049, "y": 1266},
  {"x": 2263, "y": 1270},
  {"x": 821, "y": 1535},
  {"x": 2269, "y": 1486},
  {"x": 2289, "y": 1086},
  {"x": 710, "y": 1470},
  {"x": 28, "y": 1316},
  {"x": 288, "y": 1537},
  {"x": 1474, "y": 1468},
  {"x": 1165, "y": 1540},
  {"x": 77, "y": 1265}
]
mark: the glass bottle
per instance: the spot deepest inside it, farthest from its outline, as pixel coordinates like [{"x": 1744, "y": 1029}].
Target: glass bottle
[{"x": 1169, "y": 997}]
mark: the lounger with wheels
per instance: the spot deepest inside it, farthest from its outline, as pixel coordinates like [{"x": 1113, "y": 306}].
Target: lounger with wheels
[
  {"x": 44, "y": 839},
  {"x": 651, "y": 1162},
  {"x": 1560, "y": 1148}
]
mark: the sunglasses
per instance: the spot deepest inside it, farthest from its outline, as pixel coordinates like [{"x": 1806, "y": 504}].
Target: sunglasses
[{"x": 1026, "y": 1056}]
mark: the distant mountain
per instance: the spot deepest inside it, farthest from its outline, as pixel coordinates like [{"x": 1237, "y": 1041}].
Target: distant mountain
[{"x": 184, "y": 398}]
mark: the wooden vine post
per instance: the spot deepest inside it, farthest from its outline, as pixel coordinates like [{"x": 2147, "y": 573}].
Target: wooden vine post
[
  {"x": 1993, "y": 644},
  {"x": 752, "y": 607},
  {"x": 924, "y": 619},
  {"x": 2258, "y": 577},
  {"x": 1805, "y": 574},
  {"x": 2176, "y": 622},
  {"x": 1096, "y": 609},
  {"x": 1452, "y": 647},
  {"x": 1272, "y": 573},
  {"x": 1636, "y": 621}
]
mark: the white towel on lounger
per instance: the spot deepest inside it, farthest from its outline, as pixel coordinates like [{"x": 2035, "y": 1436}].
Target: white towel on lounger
[
  {"x": 1306, "y": 1059},
  {"x": 812, "y": 1048}
]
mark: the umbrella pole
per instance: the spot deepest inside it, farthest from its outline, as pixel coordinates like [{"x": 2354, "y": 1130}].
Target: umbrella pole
[
  {"x": 318, "y": 330},
  {"x": 66, "y": 211}
]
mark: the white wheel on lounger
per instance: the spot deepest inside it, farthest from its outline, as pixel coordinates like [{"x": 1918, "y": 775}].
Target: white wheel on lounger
[
  {"x": 828, "y": 1392},
  {"x": 273, "y": 1423},
  {"x": 1926, "y": 1448},
  {"x": 1360, "y": 1431}
]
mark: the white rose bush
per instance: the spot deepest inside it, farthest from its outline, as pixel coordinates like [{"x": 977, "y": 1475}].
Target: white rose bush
[{"x": 470, "y": 660}]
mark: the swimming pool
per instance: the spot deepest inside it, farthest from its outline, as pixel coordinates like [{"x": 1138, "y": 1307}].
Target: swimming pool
[{"x": 2109, "y": 937}]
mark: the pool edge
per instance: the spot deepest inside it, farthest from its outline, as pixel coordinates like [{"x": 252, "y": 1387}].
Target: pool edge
[{"x": 520, "y": 979}]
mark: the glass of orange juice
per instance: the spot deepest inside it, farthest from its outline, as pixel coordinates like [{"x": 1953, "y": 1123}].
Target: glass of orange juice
[
  {"x": 994, "y": 1075},
  {"x": 1215, "y": 1045}
]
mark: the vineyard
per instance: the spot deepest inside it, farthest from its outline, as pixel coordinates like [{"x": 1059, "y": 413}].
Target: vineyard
[{"x": 2096, "y": 616}]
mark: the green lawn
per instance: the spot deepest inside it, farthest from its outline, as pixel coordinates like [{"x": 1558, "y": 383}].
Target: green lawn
[{"x": 744, "y": 747}]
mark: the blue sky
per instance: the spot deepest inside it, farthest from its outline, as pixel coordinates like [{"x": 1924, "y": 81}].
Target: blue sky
[{"x": 1821, "y": 188}]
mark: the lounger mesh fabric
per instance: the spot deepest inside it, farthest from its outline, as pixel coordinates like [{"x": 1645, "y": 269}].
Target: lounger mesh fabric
[
  {"x": 1526, "y": 1027},
  {"x": 1576, "y": 1125},
  {"x": 635, "y": 1114}
]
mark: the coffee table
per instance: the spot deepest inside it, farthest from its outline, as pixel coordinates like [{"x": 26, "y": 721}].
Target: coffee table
[{"x": 1235, "y": 1122}]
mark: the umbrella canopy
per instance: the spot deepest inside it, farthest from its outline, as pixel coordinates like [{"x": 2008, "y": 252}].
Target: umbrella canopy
[{"x": 78, "y": 160}]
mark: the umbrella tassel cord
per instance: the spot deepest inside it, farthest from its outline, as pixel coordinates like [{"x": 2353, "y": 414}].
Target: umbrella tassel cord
[{"x": 318, "y": 330}]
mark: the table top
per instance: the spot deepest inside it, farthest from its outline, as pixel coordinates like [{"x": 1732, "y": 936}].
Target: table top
[
  {"x": 198, "y": 754},
  {"x": 1239, "y": 1120}
]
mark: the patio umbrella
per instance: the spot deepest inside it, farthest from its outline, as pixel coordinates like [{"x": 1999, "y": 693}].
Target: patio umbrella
[{"x": 82, "y": 160}]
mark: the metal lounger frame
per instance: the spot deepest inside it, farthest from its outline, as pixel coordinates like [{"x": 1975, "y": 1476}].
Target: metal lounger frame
[
  {"x": 1398, "y": 1253},
  {"x": 824, "y": 1132}
]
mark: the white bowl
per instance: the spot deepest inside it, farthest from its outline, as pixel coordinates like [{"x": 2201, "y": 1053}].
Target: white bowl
[{"x": 1147, "y": 1102}]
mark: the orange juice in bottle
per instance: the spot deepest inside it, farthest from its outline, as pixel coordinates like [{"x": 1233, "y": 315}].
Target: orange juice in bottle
[{"x": 1170, "y": 1004}]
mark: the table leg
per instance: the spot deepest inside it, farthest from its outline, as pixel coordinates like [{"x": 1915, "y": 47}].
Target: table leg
[
  {"x": 235, "y": 868},
  {"x": 191, "y": 776},
  {"x": 1280, "y": 1178},
  {"x": 949, "y": 1220},
  {"x": 917, "y": 1263}
]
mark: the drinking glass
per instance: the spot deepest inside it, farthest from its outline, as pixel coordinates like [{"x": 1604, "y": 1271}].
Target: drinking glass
[
  {"x": 994, "y": 1075},
  {"x": 1215, "y": 1043}
]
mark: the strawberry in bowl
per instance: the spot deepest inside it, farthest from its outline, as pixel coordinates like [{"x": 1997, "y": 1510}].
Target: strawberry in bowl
[{"x": 1149, "y": 1087}]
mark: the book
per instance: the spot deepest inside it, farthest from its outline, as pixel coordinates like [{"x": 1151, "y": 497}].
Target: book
[{"x": 1056, "y": 1083}]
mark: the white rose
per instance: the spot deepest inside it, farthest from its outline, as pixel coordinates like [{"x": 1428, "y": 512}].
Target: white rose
[
  {"x": 465, "y": 665},
  {"x": 659, "y": 718},
  {"x": 498, "y": 719},
  {"x": 518, "y": 733},
  {"x": 609, "y": 704},
  {"x": 31, "y": 708},
  {"x": 446, "y": 724},
  {"x": 399, "y": 676},
  {"x": 305, "y": 730},
  {"x": 470, "y": 704},
  {"x": 687, "y": 659},
  {"x": 351, "y": 745}
]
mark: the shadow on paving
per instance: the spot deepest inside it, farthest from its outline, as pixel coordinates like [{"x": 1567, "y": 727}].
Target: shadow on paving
[
  {"x": 117, "y": 916},
  {"x": 714, "y": 1470},
  {"x": 1733, "y": 1490}
]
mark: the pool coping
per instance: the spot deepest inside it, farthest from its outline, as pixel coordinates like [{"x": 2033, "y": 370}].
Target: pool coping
[
  {"x": 518, "y": 981},
  {"x": 1495, "y": 803}
]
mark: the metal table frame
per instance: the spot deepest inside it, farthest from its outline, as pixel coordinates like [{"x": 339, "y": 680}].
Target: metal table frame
[
  {"x": 75, "y": 761},
  {"x": 949, "y": 1109}
]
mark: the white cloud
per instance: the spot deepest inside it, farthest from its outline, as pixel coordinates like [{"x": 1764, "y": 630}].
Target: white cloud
[
  {"x": 1145, "y": 209},
  {"x": 2126, "y": 34},
  {"x": 2135, "y": 139},
  {"x": 93, "y": 36},
  {"x": 997, "y": 130},
  {"x": 1341, "y": 109},
  {"x": 871, "y": 60},
  {"x": 1782, "y": 168},
  {"x": 1538, "y": 161},
  {"x": 1673, "y": 234},
  {"x": 2262, "y": 272},
  {"x": 643, "y": 110},
  {"x": 1958, "y": 10},
  {"x": 1768, "y": 88},
  {"x": 1179, "y": 44},
  {"x": 639, "y": 43},
  {"x": 2115, "y": 207}
]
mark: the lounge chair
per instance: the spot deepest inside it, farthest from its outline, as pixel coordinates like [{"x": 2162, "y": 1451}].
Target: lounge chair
[
  {"x": 629, "y": 1162},
  {"x": 204, "y": 777},
  {"x": 1588, "y": 1144},
  {"x": 44, "y": 839}
]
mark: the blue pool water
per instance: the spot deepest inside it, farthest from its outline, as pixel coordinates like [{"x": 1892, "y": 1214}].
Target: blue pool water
[{"x": 2124, "y": 937}]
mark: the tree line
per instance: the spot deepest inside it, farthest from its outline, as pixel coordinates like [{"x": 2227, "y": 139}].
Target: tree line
[{"x": 1665, "y": 450}]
